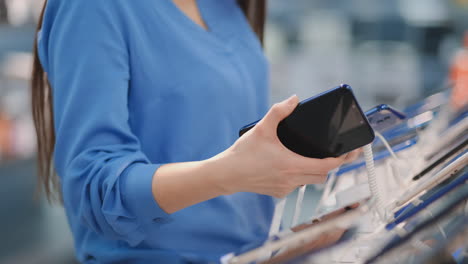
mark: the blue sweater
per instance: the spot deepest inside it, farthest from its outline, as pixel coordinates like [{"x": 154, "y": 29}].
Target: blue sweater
[{"x": 137, "y": 84}]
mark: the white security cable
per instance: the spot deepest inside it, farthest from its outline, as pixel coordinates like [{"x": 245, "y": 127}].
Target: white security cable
[
  {"x": 326, "y": 192},
  {"x": 297, "y": 210},
  {"x": 275, "y": 223},
  {"x": 384, "y": 141},
  {"x": 277, "y": 216},
  {"x": 397, "y": 162},
  {"x": 397, "y": 174},
  {"x": 373, "y": 183},
  {"x": 332, "y": 176}
]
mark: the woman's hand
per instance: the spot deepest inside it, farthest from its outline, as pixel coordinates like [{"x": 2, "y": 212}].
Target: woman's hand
[{"x": 258, "y": 162}]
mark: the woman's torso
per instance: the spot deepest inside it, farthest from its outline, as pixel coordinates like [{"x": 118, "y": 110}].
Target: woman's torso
[{"x": 190, "y": 92}]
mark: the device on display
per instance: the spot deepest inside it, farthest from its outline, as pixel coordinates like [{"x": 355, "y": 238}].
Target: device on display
[
  {"x": 380, "y": 153},
  {"x": 427, "y": 199},
  {"x": 299, "y": 240},
  {"x": 428, "y": 183},
  {"x": 327, "y": 125},
  {"x": 305, "y": 249},
  {"x": 447, "y": 136},
  {"x": 438, "y": 161},
  {"x": 327, "y": 216},
  {"x": 383, "y": 117},
  {"x": 451, "y": 249},
  {"x": 450, "y": 216},
  {"x": 431, "y": 103}
]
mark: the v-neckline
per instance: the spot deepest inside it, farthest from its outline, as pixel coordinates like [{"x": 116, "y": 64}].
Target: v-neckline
[
  {"x": 218, "y": 30},
  {"x": 190, "y": 21}
]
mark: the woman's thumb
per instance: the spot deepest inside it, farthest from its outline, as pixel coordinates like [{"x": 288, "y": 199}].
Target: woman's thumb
[{"x": 280, "y": 111}]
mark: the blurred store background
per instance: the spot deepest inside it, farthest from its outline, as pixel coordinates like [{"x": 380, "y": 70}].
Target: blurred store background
[{"x": 393, "y": 52}]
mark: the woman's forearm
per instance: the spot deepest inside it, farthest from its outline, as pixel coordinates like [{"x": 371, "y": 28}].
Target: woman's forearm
[
  {"x": 257, "y": 162},
  {"x": 179, "y": 185}
]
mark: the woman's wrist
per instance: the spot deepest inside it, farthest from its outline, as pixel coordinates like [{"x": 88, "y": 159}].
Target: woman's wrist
[
  {"x": 179, "y": 185},
  {"x": 222, "y": 176}
]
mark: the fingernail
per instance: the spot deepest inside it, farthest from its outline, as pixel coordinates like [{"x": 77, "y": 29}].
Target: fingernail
[{"x": 291, "y": 99}]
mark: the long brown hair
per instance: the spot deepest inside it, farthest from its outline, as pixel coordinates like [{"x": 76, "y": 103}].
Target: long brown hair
[
  {"x": 255, "y": 11},
  {"x": 42, "y": 106},
  {"x": 42, "y": 112}
]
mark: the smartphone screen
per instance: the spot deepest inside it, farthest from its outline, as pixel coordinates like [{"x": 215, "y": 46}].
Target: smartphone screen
[{"x": 327, "y": 125}]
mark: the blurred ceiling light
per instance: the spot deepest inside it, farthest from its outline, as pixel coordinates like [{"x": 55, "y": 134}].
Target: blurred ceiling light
[
  {"x": 18, "y": 11},
  {"x": 425, "y": 12}
]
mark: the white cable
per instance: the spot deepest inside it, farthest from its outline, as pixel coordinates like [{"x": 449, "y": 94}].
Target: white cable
[
  {"x": 326, "y": 192},
  {"x": 373, "y": 184},
  {"x": 332, "y": 178},
  {"x": 300, "y": 198},
  {"x": 275, "y": 223},
  {"x": 334, "y": 191},
  {"x": 384, "y": 141},
  {"x": 399, "y": 177},
  {"x": 277, "y": 216},
  {"x": 397, "y": 162}
]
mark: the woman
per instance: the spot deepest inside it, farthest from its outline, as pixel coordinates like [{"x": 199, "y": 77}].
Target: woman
[{"x": 147, "y": 98}]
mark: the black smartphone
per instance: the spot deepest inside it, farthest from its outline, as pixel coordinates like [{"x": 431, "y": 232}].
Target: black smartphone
[{"x": 327, "y": 125}]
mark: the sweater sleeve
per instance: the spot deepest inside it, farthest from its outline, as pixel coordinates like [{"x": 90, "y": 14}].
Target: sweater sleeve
[{"x": 106, "y": 179}]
